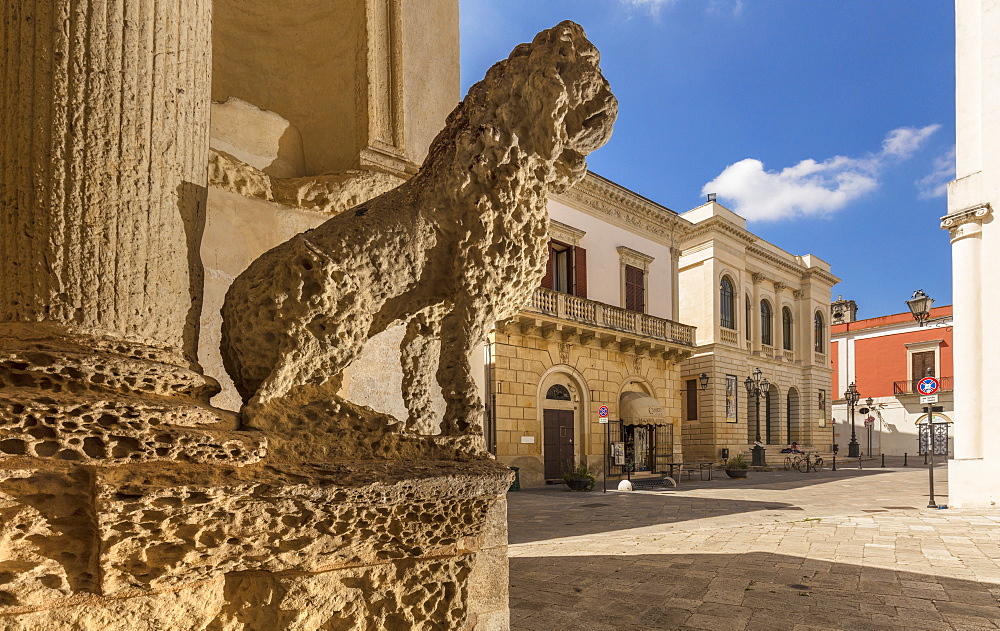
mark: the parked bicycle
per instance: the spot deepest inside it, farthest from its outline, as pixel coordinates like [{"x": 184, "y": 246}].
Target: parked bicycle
[{"x": 804, "y": 463}]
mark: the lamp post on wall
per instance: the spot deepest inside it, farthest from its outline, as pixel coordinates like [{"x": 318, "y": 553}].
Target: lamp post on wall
[
  {"x": 920, "y": 306},
  {"x": 851, "y": 395},
  {"x": 755, "y": 388}
]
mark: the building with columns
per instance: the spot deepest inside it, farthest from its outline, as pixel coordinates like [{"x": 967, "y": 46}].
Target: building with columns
[
  {"x": 754, "y": 306},
  {"x": 974, "y": 472}
]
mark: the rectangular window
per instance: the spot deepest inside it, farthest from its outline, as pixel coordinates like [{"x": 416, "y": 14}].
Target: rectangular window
[
  {"x": 923, "y": 365},
  {"x": 566, "y": 269},
  {"x": 635, "y": 289},
  {"x": 732, "y": 390},
  {"x": 691, "y": 390}
]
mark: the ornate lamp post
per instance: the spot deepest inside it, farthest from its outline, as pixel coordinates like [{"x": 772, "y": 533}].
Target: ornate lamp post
[
  {"x": 851, "y": 395},
  {"x": 870, "y": 402},
  {"x": 755, "y": 388},
  {"x": 920, "y": 306}
]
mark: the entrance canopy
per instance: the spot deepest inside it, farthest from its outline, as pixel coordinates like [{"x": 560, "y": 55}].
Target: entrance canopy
[{"x": 638, "y": 408}]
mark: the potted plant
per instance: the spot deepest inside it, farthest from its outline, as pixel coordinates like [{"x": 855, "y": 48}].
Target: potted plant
[
  {"x": 736, "y": 467},
  {"x": 579, "y": 479}
]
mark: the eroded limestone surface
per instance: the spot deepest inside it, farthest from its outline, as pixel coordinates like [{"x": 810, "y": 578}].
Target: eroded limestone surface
[
  {"x": 170, "y": 527},
  {"x": 454, "y": 249}
]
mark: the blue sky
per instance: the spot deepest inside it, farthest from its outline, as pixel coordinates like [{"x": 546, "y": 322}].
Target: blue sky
[{"x": 829, "y": 125}]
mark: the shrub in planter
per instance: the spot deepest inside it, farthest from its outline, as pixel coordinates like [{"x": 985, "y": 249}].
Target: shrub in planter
[
  {"x": 736, "y": 467},
  {"x": 580, "y": 479}
]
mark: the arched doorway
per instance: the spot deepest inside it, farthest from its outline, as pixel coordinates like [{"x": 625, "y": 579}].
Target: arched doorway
[
  {"x": 792, "y": 416},
  {"x": 646, "y": 432},
  {"x": 561, "y": 402},
  {"x": 771, "y": 411}
]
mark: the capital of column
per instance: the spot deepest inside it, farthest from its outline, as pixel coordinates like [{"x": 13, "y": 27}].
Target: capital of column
[
  {"x": 756, "y": 277},
  {"x": 966, "y": 222}
]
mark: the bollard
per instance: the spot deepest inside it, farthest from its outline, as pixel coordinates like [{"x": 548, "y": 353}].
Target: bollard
[
  {"x": 883, "y": 461},
  {"x": 834, "y": 462},
  {"x": 859, "y": 462},
  {"x": 905, "y": 464}
]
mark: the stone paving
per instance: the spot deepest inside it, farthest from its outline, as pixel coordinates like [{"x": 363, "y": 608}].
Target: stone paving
[{"x": 850, "y": 549}]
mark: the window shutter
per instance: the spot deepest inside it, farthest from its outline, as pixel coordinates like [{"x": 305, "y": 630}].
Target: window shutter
[
  {"x": 635, "y": 298},
  {"x": 921, "y": 363},
  {"x": 580, "y": 271},
  {"x": 692, "y": 399},
  {"x": 549, "y": 274}
]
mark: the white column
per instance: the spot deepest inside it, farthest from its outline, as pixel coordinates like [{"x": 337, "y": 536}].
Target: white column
[{"x": 966, "y": 241}]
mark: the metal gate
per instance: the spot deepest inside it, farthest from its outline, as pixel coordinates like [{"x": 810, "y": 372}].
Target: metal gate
[{"x": 632, "y": 448}]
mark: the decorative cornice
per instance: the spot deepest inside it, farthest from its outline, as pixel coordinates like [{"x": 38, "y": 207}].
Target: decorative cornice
[
  {"x": 566, "y": 234},
  {"x": 977, "y": 213},
  {"x": 621, "y": 206},
  {"x": 633, "y": 258},
  {"x": 723, "y": 225}
]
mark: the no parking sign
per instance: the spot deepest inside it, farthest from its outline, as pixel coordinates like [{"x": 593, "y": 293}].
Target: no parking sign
[{"x": 603, "y": 413}]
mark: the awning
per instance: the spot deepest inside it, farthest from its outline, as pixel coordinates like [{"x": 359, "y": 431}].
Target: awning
[{"x": 641, "y": 409}]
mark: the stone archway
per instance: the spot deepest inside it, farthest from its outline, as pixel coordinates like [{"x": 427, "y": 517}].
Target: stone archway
[
  {"x": 793, "y": 421},
  {"x": 563, "y": 400}
]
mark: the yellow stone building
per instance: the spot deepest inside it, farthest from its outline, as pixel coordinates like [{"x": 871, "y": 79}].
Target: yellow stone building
[{"x": 601, "y": 331}]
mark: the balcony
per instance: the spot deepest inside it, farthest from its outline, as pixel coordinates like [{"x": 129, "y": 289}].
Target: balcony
[
  {"x": 598, "y": 315},
  {"x": 909, "y": 386}
]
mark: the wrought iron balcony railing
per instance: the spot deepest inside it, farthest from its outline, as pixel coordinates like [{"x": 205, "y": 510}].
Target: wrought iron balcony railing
[
  {"x": 599, "y": 314},
  {"x": 909, "y": 386}
]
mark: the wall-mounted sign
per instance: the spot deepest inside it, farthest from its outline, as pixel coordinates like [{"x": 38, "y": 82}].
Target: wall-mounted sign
[{"x": 618, "y": 453}]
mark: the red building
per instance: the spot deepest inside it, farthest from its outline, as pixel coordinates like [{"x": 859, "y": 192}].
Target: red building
[{"x": 885, "y": 358}]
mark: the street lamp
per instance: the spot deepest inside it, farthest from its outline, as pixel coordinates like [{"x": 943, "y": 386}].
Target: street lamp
[
  {"x": 920, "y": 306},
  {"x": 703, "y": 380},
  {"x": 851, "y": 395},
  {"x": 870, "y": 402},
  {"x": 755, "y": 387}
]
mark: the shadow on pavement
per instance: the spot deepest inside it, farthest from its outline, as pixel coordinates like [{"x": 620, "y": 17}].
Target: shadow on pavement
[
  {"x": 780, "y": 480},
  {"x": 750, "y": 591},
  {"x": 542, "y": 514}
]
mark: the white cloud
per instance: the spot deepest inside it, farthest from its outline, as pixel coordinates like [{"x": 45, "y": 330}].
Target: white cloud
[
  {"x": 732, "y": 8},
  {"x": 902, "y": 142},
  {"x": 811, "y": 187},
  {"x": 935, "y": 183},
  {"x": 653, "y": 6}
]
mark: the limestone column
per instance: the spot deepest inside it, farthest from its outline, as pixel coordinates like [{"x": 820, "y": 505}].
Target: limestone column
[
  {"x": 966, "y": 229},
  {"x": 104, "y": 110},
  {"x": 104, "y": 123}
]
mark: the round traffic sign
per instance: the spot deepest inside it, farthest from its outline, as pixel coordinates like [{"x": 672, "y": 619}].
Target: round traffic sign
[
  {"x": 928, "y": 385},
  {"x": 603, "y": 411}
]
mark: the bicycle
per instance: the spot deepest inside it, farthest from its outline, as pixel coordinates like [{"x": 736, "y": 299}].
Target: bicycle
[
  {"x": 792, "y": 462},
  {"x": 815, "y": 464}
]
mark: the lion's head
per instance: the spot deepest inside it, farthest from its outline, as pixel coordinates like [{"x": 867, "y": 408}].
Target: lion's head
[{"x": 547, "y": 103}]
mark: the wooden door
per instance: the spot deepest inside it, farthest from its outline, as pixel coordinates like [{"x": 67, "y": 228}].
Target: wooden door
[{"x": 558, "y": 443}]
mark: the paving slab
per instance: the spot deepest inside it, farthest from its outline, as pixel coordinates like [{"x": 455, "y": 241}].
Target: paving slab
[{"x": 847, "y": 550}]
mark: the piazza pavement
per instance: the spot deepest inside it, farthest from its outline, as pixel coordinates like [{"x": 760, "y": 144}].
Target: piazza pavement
[{"x": 780, "y": 551}]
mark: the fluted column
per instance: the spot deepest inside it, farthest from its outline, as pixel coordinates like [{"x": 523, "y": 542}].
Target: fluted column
[{"x": 104, "y": 110}]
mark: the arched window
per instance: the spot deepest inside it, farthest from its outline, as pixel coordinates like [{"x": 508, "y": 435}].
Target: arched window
[
  {"x": 819, "y": 335},
  {"x": 747, "y": 320},
  {"x": 786, "y": 328},
  {"x": 558, "y": 392},
  {"x": 765, "y": 324},
  {"x": 727, "y": 303}
]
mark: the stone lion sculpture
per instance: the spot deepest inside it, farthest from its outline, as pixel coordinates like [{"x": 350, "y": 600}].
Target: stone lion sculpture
[{"x": 451, "y": 251}]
